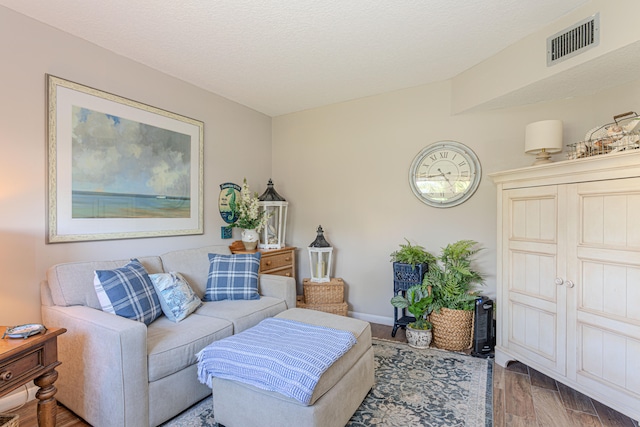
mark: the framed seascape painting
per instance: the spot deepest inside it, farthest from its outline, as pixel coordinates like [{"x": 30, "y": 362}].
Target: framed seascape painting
[{"x": 118, "y": 168}]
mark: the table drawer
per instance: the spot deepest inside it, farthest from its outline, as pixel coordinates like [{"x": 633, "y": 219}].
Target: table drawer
[
  {"x": 271, "y": 262},
  {"x": 287, "y": 272},
  {"x": 16, "y": 369}
]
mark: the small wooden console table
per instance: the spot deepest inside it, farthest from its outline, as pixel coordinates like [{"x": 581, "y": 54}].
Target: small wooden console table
[
  {"x": 33, "y": 358},
  {"x": 281, "y": 262}
]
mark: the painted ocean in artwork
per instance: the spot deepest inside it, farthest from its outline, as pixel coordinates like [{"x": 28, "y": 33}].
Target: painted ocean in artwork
[
  {"x": 126, "y": 169},
  {"x": 105, "y": 205}
]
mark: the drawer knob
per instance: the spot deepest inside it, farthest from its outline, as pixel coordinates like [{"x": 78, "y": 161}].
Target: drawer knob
[
  {"x": 6, "y": 375},
  {"x": 268, "y": 263},
  {"x": 287, "y": 259},
  {"x": 288, "y": 275}
]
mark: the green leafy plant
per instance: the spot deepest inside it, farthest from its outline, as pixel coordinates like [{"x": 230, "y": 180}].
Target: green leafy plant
[
  {"x": 412, "y": 254},
  {"x": 418, "y": 301},
  {"x": 452, "y": 279}
]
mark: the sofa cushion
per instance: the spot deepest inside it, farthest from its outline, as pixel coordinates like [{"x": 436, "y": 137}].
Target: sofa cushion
[
  {"x": 233, "y": 277},
  {"x": 172, "y": 347},
  {"x": 71, "y": 283},
  {"x": 243, "y": 314},
  {"x": 193, "y": 264},
  {"x": 176, "y": 296},
  {"x": 128, "y": 292}
]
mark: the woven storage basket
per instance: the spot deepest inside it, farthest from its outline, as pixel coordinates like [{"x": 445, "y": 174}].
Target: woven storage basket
[
  {"x": 323, "y": 293},
  {"x": 452, "y": 329},
  {"x": 9, "y": 420},
  {"x": 340, "y": 309}
]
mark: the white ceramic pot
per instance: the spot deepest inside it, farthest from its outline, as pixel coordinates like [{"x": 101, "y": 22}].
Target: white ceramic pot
[
  {"x": 419, "y": 338},
  {"x": 250, "y": 239}
]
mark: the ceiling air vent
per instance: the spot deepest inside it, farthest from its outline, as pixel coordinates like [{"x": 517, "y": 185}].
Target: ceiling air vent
[{"x": 574, "y": 40}]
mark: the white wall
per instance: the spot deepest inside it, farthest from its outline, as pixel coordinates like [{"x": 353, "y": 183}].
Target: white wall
[
  {"x": 237, "y": 145},
  {"x": 520, "y": 71},
  {"x": 345, "y": 166}
]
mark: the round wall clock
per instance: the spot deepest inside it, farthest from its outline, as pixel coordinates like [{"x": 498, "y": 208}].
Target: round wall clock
[{"x": 445, "y": 174}]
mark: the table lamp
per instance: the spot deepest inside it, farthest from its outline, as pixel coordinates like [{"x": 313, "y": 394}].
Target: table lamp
[{"x": 543, "y": 138}]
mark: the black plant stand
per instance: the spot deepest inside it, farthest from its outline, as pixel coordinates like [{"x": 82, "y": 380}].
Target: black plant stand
[
  {"x": 404, "y": 277},
  {"x": 403, "y": 321}
]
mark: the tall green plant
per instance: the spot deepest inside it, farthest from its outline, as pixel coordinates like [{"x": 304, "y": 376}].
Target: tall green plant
[{"x": 452, "y": 279}]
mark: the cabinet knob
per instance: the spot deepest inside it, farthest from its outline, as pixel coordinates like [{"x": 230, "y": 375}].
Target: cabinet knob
[
  {"x": 570, "y": 284},
  {"x": 6, "y": 375},
  {"x": 559, "y": 281}
]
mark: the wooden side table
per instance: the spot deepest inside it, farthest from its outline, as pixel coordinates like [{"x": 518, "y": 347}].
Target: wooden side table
[
  {"x": 33, "y": 358},
  {"x": 281, "y": 262}
]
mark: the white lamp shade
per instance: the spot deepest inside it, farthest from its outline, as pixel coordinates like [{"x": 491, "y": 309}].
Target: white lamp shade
[{"x": 545, "y": 135}]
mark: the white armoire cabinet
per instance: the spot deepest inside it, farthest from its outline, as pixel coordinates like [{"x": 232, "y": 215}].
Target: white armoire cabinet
[{"x": 568, "y": 274}]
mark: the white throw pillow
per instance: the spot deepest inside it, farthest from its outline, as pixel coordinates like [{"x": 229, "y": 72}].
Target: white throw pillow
[{"x": 176, "y": 296}]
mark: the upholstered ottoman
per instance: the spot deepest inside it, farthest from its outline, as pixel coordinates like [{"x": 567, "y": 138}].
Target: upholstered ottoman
[{"x": 338, "y": 394}]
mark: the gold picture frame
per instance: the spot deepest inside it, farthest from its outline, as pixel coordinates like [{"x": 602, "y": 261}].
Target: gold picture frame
[{"x": 120, "y": 169}]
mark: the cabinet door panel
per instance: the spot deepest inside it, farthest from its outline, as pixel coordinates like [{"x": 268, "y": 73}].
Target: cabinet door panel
[
  {"x": 532, "y": 332},
  {"x": 609, "y": 358},
  {"x": 536, "y": 305},
  {"x": 533, "y": 218},
  {"x": 607, "y": 303},
  {"x": 534, "y": 274},
  {"x": 609, "y": 212}
]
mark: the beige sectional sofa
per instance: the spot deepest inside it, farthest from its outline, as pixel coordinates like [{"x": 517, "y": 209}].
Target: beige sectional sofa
[{"x": 120, "y": 372}]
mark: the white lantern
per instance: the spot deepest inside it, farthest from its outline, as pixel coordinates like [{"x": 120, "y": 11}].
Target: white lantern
[
  {"x": 320, "y": 258},
  {"x": 275, "y": 206}
]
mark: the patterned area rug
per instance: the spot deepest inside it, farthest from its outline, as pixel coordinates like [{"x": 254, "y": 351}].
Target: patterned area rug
[{"x": 413, "y": 388}]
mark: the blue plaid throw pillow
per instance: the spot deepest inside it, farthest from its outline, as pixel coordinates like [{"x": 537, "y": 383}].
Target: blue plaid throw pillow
[
  {"x": 128, "y": 292},
  {"x": 233, "y": 277}
]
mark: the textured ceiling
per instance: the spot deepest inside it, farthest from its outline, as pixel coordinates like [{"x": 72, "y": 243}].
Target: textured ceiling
[{"x": 282, "y": 56}]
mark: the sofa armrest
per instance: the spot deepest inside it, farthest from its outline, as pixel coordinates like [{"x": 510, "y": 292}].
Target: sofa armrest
[
  {"x": 282, "y": 287},
  {"x": 104, "y": 375}
]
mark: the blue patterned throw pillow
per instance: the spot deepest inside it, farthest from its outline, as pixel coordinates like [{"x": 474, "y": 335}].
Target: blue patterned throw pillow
[
  {"x": 176, "y": 296},
  {"x": 128, "y": 292},
  {"x": 233, "y": 277}
]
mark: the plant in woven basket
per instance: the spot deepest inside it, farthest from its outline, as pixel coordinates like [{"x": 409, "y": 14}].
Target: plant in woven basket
[
  {"x": 452, "y": 278},
  {"x": 453, "y": 283}
]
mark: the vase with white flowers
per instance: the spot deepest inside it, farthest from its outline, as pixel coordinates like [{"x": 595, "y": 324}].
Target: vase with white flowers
[{"x": 250, "y": 219}]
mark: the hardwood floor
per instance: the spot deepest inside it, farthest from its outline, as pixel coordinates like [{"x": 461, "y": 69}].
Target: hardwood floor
[{"x": 521, "y": 397}]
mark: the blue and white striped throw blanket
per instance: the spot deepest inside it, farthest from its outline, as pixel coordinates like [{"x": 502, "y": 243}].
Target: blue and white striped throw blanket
[{"x": 277, "y": 355}]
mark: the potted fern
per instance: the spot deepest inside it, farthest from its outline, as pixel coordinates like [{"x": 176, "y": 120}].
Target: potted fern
[
  {"x": 453, "y": 284},
  {"x": 418, "y": 301},
  {"x": 409, "y": 265}
]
